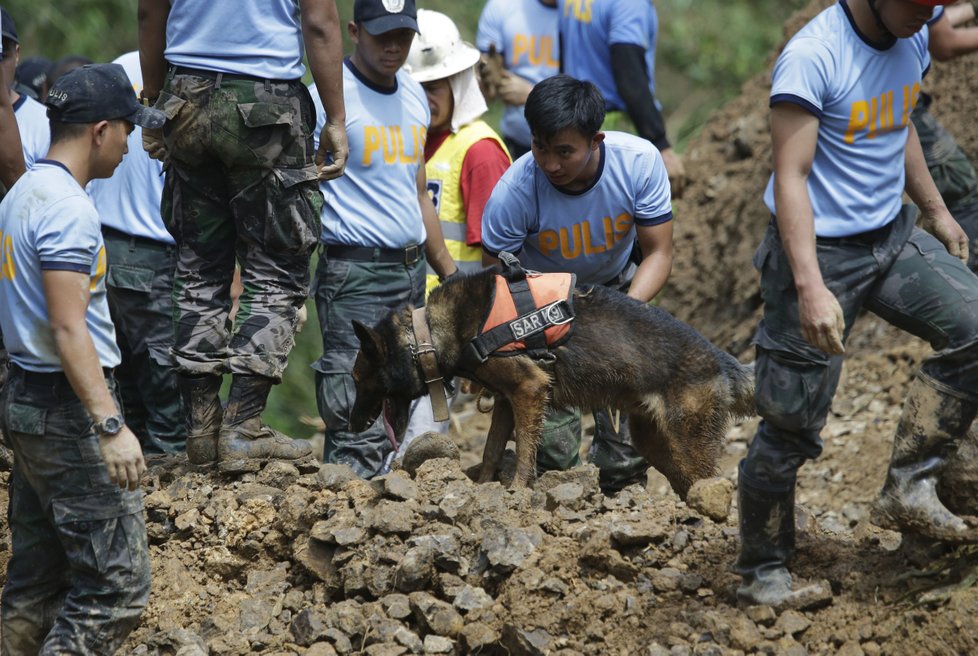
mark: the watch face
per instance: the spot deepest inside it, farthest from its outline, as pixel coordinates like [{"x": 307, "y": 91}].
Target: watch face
[{"x": 110, "y": 425}]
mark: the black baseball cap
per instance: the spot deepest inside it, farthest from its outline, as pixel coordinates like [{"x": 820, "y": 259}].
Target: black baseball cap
[
  {"x": 7, "y": 27},
  {"x": 379, "y": 16},
  {"x": 99, "y": 92}
]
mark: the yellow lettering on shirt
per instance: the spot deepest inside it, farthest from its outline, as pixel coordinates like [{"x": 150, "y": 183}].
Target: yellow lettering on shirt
[
  {"x": 99, "y": 269},
  {"x": 539, "y": 50},
  {"x": 578, "y": 240},
  {"x": 548, "y": 242},
  {"x": 581, "y": 9},
  {"x": 389, "y": 142},
  {"x": 858, "y": 120},
  {"x": 371, "y": 143},
  {"x": 7, "y": 267},
  {"x": 876, "y": 116}
]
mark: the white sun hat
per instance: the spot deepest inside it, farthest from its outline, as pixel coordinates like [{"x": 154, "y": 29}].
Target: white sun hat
[{"x": 438, "y": 50}]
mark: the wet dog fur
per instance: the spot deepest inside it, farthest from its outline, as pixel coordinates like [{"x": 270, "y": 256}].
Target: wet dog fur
[{"x": 679, "y": 391}]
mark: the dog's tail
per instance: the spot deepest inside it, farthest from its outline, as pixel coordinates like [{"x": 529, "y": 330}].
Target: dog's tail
[{"x": 742, "y": 377}]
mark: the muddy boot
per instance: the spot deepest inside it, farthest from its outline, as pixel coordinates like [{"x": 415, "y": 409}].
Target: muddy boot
[
  {"x": 613, "y": 453},
  {"x": 932, "y": 424},
  {"x": 202, "y": 403},
  {"x": 767, "y": 543},
  {"x": 243, "y": 436}
]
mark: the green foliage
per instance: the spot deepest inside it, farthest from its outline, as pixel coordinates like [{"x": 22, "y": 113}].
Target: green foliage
[{"x": 706, "y": 49}]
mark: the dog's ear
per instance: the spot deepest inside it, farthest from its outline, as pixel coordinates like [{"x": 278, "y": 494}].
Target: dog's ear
[{"x": 370, "y": 341}]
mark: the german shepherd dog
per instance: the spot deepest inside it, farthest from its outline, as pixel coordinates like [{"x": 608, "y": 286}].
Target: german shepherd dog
[{"x": 678, "y": 390}]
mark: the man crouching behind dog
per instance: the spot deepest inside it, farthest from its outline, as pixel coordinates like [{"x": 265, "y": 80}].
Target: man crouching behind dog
[{"x": 580, "y": 202}]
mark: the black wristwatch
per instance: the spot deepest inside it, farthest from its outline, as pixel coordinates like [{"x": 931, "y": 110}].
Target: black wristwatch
[{"x": 110, "y": 425}]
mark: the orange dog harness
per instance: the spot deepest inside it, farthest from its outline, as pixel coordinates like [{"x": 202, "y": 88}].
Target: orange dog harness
[{"x": 530, "y": 313}]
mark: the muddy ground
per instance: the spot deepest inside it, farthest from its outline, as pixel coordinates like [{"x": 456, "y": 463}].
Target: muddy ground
[{"x": 284, "y": 561}]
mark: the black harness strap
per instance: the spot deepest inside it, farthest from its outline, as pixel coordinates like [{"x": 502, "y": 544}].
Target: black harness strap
[{"x": 519, "y": 289}]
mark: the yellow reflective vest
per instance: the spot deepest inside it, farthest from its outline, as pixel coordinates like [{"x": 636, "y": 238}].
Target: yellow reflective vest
[{"x": 444, "y": 173}]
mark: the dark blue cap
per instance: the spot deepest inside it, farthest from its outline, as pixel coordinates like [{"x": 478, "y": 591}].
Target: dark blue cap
[
  {"x": 379, "y": 16},
  {"x": 99, "y": 92},
  {"x": 7, "y": 27}
]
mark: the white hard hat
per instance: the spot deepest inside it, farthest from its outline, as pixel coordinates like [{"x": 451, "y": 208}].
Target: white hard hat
[{"x": 438, "y": 50}]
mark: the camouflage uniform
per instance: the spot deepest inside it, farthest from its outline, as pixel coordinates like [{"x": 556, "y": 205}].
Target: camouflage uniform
[
  {"x": 365, "y": 291},
  {"x": 898, "y": 272},
  {"x": 241, "y": 181},
  {"x": 139, "y": 282},
  {"x": 79, "y": 573},
  {"x": 952, "y": 171}
]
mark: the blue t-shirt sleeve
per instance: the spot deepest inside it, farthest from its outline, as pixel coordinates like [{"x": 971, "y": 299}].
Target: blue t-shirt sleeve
[
  {"x": 490, "y": 30},
  {"x": 803, "y": 75},
  {"x": 628, "y": 23},
  {"x": 921, "y": 40},
  {"x": 68, "y": 238},
  {"x": 505, "y": 220},
  {"x": 653, "y": 201}
]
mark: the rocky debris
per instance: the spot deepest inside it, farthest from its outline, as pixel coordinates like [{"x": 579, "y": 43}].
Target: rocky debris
[
  {"x": 428, "y": 446},
  {"x": 711, "y": 497}
]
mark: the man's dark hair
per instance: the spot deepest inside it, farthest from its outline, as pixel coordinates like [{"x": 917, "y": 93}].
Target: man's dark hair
[
  {"x": 561, "y": 102},
  {"x": 65, "y": 64},
  {"x": 65, "y": 131}
]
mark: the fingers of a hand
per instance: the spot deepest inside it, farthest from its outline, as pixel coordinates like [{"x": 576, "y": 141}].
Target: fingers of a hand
[{"x": 131, "y": 476}]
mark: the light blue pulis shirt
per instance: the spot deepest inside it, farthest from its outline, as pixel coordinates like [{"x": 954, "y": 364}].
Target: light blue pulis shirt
[
  {"x": 48, "y": 222},
  {"x": 129, "y": 201},
  {"x": 258, "y": 38},
  {"x": 589, "y": 28},
  {"x": 863, "y": 97},
  {"x": 375, "y": 201},
  {"x": 34, "y": 128},
  {"x": 590, "y": 232},
  {"x": 525, "y": 33}
]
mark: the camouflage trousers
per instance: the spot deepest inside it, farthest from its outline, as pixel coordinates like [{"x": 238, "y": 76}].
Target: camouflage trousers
[
  {"x": 79, "y": 572},
  {"x": 952, "y": 171},
  {"x": 898, "y": 272},
  {"x": 139, "y": 282},
  {"x": 241, "y": 183},
  {"x": 366, "y": 291}
]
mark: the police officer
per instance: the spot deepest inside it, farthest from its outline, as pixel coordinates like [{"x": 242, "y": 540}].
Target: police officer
[
  {"x": 242, "y": 184},
  {"x": 75, "y": 508},
  {"x": 379, "y": 227},
  {"x": 141, "y": 259},
  {"x": 950, "y": 167},
  {"x": 842, "y": 242},
  {"x": 578, "y": 203},
  {"x": 523, "y": 35},
  {"x": 32, "y": 118},
  {"x": 11, "y": 151},
  {"x": 612, "y": 43}
]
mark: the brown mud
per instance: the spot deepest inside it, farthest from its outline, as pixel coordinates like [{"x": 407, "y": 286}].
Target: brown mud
[{"x": 313, "y": 562}]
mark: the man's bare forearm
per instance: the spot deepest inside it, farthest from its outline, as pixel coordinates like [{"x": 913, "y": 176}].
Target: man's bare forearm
[
  {"x": 324, "y": 50},
  {"x": 152, "y": 16}
]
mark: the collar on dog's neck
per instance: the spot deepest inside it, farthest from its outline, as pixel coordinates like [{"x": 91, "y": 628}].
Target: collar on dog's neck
[{"x": 424, "y": 356}]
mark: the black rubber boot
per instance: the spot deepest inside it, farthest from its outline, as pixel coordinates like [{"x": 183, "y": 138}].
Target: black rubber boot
[
  {"x": 767, "y": 543},
  {"x": 243, "y": 436},
  {"x": 202, "y": 401},
  {"x": 931, "y": 426}
]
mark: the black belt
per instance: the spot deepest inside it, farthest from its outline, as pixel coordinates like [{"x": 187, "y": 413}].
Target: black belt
[
  {"x": 46, "y": 378},
  {"x": 862, "y": 238},
  {"x": 408, "y": 255},
  {"x": 216, "y": 75},
  {"x": 144, "y": 241}
]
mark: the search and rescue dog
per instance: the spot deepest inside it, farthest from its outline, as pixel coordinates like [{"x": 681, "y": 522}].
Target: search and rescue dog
[{"x": 679, "y": 390}]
